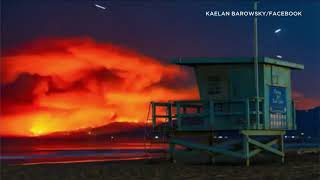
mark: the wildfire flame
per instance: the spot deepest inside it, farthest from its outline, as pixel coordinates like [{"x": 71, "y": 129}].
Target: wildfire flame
[{"x": 51, "y": 85}]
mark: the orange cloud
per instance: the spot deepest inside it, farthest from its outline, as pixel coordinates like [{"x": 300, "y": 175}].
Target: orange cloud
[
  {"x": 54, "y": 85},
  {"x": 304, "y": 103}
]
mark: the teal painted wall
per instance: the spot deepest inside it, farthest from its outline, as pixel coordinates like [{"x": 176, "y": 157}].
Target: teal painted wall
[
  {"x": 279, "y": 77},
  {"x": 236, "y": 82}
]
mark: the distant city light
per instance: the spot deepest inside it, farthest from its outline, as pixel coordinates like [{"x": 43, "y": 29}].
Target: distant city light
[
  {"x": 292, "y": 137},
  {"x": 302, "y": 133},
  {"x": 220, "y": 137},
  {"x": 277, "y": 31},
  {"x": 157, "y": 137},
  {"x": 112, "y": 137},
  {"x": 101, "y": 7},
  {"x": 279, "y": 56},
  {"x": 226, "y": 137},
  {"x": 285, "y": 136}
]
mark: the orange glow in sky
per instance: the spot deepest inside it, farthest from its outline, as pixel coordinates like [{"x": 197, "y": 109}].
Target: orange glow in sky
[
  {"x": 54, "y": 85},
  {"x": 51, "y": 85}
]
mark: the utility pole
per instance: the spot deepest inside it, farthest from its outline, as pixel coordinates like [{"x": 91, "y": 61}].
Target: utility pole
[{"x": 256, "y": 63}]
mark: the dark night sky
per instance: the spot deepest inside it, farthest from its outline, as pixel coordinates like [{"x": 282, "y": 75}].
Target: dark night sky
[{"x": 176, "y": 28}]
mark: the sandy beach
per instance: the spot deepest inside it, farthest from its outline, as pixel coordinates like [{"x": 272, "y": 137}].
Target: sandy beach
[{"x": 306, "y": 166}]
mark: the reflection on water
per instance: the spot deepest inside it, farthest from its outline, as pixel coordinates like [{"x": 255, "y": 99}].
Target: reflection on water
[
  {"x": 44, "y": 151},
  {"x": 39, "y": 151}
]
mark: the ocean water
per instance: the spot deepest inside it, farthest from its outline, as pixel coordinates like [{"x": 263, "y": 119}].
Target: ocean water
[
  {"x": 28, "y": 151},
  {"x": 39, "y": 151}
]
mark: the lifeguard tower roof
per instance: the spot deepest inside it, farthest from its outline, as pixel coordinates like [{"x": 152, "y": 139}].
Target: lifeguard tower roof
[{"x": 239, "y": 60}]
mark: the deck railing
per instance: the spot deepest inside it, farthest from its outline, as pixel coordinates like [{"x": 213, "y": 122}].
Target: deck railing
[{"x": 206, "y": 115}]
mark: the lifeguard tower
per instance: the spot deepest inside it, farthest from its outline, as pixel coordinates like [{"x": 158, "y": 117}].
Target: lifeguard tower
[
  {"x": 228, "y": 102},
  {"x": 251, "y": 96}
]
